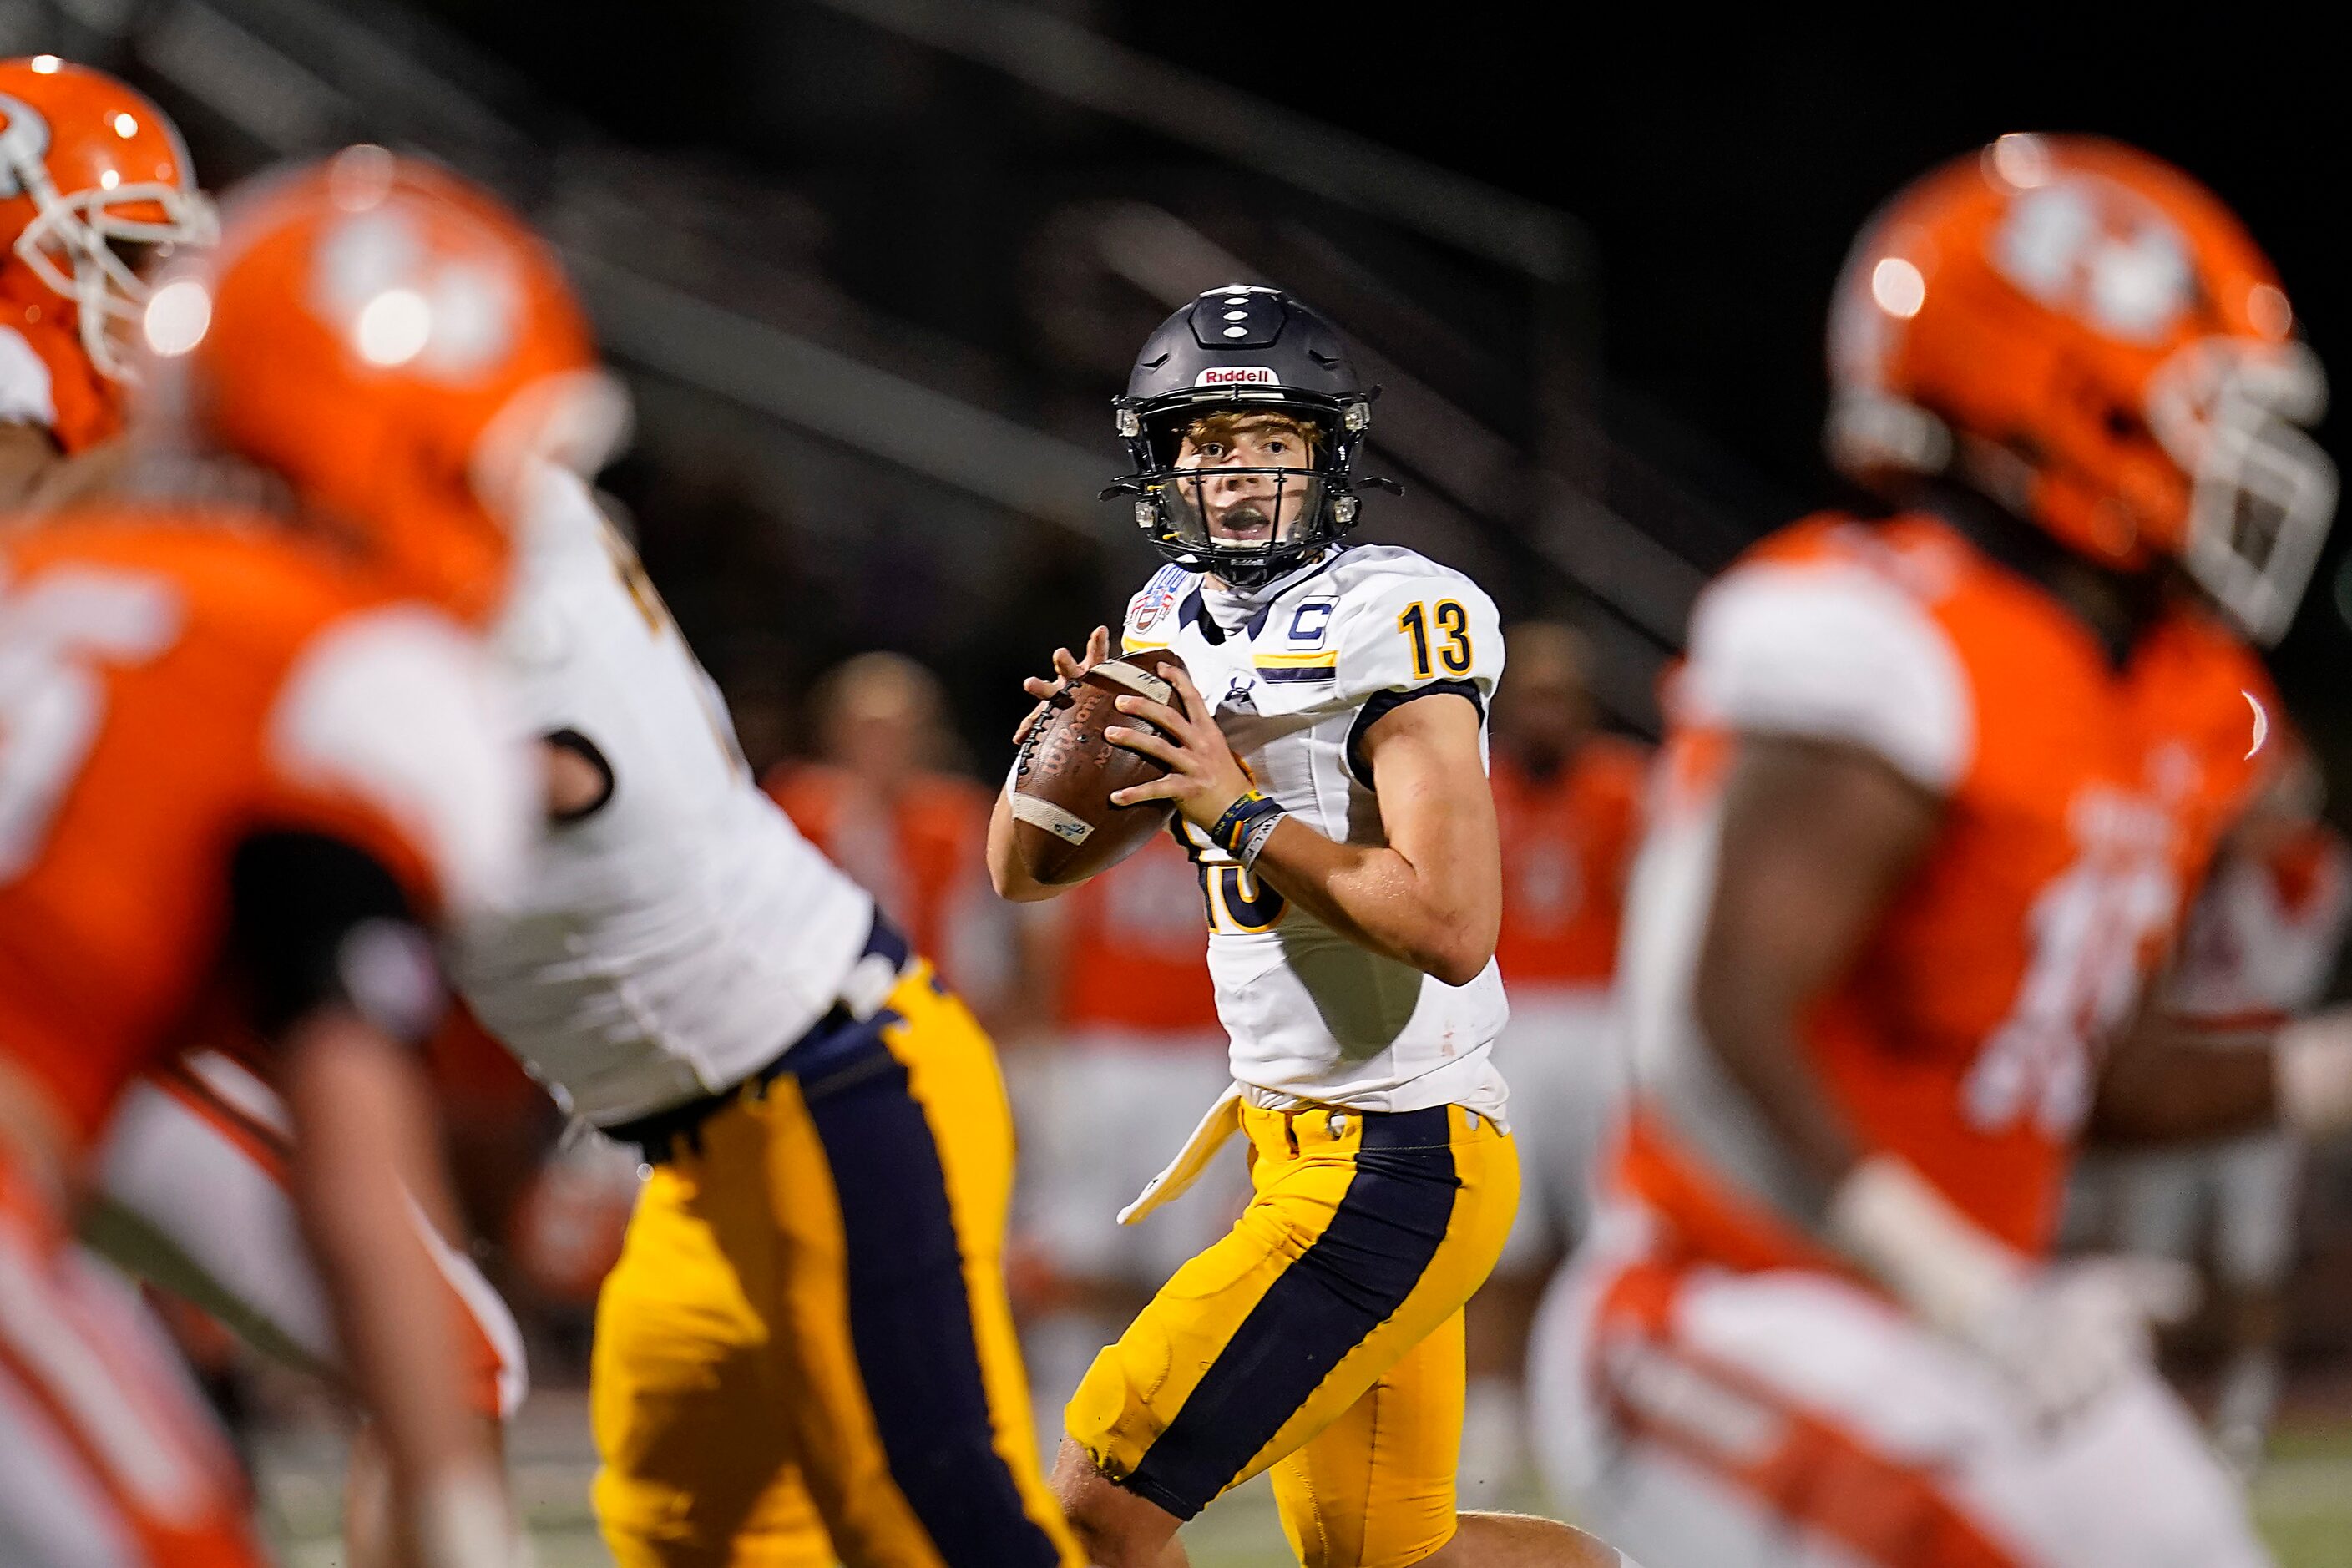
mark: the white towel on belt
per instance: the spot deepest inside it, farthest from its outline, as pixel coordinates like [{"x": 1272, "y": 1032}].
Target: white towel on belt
[{"x": 1223, "y": 1119}]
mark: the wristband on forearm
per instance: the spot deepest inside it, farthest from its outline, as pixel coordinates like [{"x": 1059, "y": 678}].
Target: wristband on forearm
[
  {"x": 1255, "y": 835},
  {"x": 1232, "y": 831}
]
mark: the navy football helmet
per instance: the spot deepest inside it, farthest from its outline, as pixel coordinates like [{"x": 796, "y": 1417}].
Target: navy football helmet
[{"x": 1243, "y": 349}]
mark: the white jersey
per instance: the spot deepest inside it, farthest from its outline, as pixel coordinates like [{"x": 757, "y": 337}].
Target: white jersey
[
  {"x": 676, "y": 938},
  {"x": 1323, "y": 654}
]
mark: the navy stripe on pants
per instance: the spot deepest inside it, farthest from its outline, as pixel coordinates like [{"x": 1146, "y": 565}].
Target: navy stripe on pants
[
  {"x": 1349, "y": 1281},
  {"x": 909, "y": 1316}
]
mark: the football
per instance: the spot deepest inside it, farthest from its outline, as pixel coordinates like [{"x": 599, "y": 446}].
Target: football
[{"x": 1064, "y": 823}]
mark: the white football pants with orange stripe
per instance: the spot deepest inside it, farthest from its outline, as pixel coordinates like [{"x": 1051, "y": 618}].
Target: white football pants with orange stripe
[
  {"x": 192, "y": 1197},
  {"x": 108, "y": 1456},
  {"x": 1792, "y": 1419}
]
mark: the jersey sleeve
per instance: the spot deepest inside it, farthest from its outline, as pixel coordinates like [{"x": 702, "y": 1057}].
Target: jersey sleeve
[
  {"x": 1406, "y": 635},
  {"x": 26, "y": 394},
  {"x": 390, "y": 732},
  {"x": 1832, "y": 652}
]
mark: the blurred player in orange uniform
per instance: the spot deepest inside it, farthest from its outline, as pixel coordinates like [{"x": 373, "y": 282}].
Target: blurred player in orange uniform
[
  {"x": 2261, "y": 946},
  {"x": 249, "y": 751},
  {"x": 95, "y": 193},
  {"x": 1937, "y": 789},
  {"x": 882, "y": 805},
  {"x": 95, "y": 190},
  {"x": 1568, "y": 800},
  {"x": 1134, "y": 1050}
]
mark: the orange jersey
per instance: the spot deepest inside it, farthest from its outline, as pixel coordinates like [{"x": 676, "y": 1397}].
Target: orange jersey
[
  {"x": 45, "y": 376},
  {"x": 1133, "y": 950},
  {"x": 2082, "y": 803},
  {"x": 919, "y": 855},
  {"x": 171, "y": 688},
  {"x": 1567, "y": 844}
]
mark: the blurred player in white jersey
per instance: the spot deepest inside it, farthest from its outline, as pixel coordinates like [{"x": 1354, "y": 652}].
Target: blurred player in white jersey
[
  {"x": 1331, "y": 788},
  {"x": 1939, "y": 786},
  {"x": 1568, "y": 800},
  {"x": 2261, "y": 948},
  {"x": 677, "y": 957},
  {"x": 805, "y": 1348}
]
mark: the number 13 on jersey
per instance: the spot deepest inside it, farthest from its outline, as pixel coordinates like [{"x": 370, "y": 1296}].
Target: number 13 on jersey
[{"x": 1451, "y": 623}]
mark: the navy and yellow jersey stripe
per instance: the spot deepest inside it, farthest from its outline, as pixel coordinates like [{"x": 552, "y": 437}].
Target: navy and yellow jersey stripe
[
  {"x": 807, "y": 1347},
  {"x": 1286, "y": 666},
  {"x": 1339, "y": 1289}
]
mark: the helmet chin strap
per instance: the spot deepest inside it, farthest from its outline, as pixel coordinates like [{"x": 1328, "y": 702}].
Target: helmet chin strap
[{"x": 1255, "y": 575}]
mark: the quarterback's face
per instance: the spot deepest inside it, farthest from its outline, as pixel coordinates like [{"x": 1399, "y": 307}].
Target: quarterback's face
[{"x": 1238, "y": 501}]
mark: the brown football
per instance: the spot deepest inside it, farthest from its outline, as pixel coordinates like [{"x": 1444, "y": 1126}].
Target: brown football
[{"x": 1063, "y": 824}]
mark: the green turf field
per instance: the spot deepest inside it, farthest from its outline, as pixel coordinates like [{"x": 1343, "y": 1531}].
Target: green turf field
[{"x": 2304, "y": 1499}]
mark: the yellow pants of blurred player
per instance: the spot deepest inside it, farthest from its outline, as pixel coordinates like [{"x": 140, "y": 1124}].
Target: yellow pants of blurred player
[
  {"x": 806, "y": 1346},
  {"x": 1321, "y": 1336}
]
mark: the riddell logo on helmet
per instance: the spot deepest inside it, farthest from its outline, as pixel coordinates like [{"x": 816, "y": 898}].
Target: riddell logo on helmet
[{"x": 1238, "y": 375}]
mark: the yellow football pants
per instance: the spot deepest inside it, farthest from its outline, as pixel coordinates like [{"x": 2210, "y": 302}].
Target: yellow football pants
[
  {"x": 806, "y": 1346},
  {"x": 1321, "y": 1336}
]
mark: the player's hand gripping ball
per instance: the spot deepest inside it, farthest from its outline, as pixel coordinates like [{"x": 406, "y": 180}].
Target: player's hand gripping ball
[{"x": 1065, "y": 825}]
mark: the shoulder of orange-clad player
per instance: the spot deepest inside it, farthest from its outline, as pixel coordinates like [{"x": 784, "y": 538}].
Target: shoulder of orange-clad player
[
  {"x": 46, "y": 378},
  {"x": 219, "y": 680}
]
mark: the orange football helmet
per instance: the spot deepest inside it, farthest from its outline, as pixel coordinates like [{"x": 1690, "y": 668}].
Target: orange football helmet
[
  {"x": 86, "y": 166},
  {"x": 401, "y": 349},
  {"x": 2088, "y": 336}
]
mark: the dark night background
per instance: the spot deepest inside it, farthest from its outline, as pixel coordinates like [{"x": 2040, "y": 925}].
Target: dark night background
[
  {"x": 1720, "y": 177},
  {"x": 919, "y": 186}
]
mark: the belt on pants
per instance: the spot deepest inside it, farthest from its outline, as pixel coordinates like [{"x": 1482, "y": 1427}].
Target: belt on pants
[{"x": 659, "y": 1135}]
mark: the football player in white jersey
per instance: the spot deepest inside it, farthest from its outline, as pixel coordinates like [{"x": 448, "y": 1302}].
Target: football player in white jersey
[
  {"x": 1331, "y": 787},
  {"x": 804, "y": 1354},
  {"x": 675, "y": 940},
  {"x": 805, "y": 1348}
]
